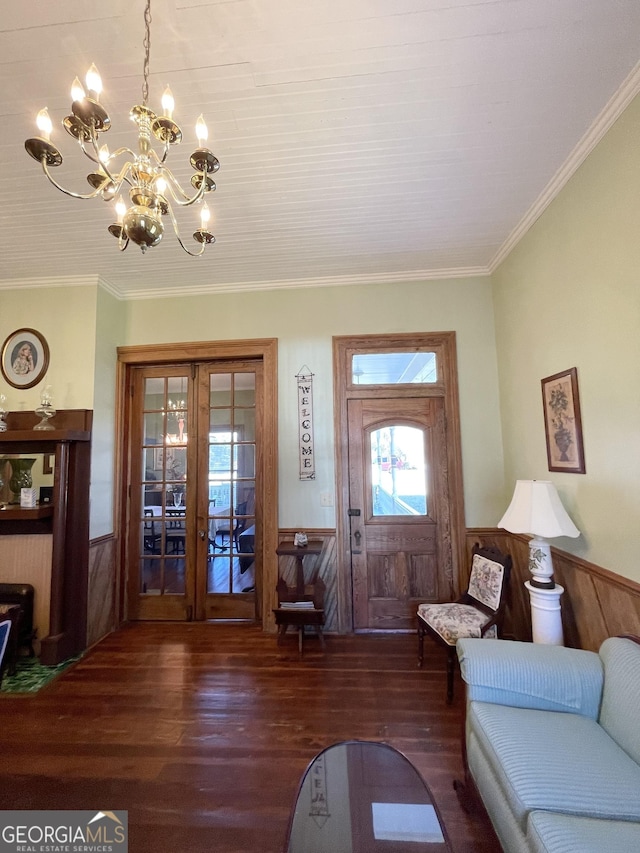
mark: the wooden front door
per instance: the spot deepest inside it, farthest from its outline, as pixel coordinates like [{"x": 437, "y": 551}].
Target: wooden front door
[
  {"x": 398, "y": 509},
  {"x": 194, "y": 538}
]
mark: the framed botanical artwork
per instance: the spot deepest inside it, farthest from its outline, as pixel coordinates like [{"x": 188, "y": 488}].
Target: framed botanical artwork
[
  {"x": 25, "y": 358},
  {"x": 563, "y": 422}
]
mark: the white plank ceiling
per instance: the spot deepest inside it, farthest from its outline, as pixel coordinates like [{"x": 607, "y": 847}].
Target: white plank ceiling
[{"x": 359, "y": 140}]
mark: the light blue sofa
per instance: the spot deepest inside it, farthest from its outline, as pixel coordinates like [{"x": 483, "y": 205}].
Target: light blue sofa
[{"x": 553, "y": 743}]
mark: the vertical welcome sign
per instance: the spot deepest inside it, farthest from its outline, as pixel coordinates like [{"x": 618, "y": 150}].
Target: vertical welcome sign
[{"x": 305, "y": 423}]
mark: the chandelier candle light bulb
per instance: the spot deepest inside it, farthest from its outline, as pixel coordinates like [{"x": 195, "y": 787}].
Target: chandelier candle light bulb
[
  {"x": 44, "y": 124},
  {"x": 153, "y": 187},
  {"x": 168, "y": 104},
  {"x": 202, "y": 131},
  {"x": 77, "y": 91},
  {"x": 94, "y": 81},
  {"x": 121, "y": 209}
]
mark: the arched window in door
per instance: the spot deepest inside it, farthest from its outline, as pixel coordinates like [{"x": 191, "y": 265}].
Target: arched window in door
[{"x": 398, "y": 471}]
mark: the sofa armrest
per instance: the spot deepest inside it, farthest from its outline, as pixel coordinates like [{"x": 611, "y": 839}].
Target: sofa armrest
[{"x": 529, "y": 675}]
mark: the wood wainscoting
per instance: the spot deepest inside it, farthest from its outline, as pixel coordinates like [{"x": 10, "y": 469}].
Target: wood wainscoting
[
  {"x": 27, "y": 559},
  {"x": 101, "y": 619},
  {"x": 326, "y": 565},
  {"x": 596, "y": 603}
]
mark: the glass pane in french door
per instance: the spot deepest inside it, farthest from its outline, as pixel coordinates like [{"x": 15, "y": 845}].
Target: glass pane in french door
[
  {"x": 162, "y": 541},
  {"x": 231, "y": 483}
]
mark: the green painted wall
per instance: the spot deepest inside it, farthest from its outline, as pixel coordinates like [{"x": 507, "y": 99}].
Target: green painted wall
[
  {"x": 304, "y": 321},
  {"x": 109, "y": 334},
  {"x": 569, "y": 296},
  {"x": 66, "y": 316},
  {"x": 82, "y": 326}
]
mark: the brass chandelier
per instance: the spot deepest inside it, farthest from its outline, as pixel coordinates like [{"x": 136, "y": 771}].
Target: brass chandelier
[{"x": 152, "y": 186}]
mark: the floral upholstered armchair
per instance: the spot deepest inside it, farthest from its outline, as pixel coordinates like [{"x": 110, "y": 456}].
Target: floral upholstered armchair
[{"x": 477, "y": 613}]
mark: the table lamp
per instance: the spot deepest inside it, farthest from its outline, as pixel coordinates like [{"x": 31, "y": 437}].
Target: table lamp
[{"x": 536, "y": 509}]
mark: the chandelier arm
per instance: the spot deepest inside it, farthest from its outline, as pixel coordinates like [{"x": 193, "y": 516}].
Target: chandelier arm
[
  {"x": 100, "y": 163},
  {"x": 104, "y": 164},
  {"x": 199, "y": 194},
  {"x": 179, "y": 238},
  {"x": 88, "y": 154},
  {"x": 82, "y": 196},
  {"x": 188, "y": 251},
  {"x": 120, "y": 151},
  {"x": 160, "y": 160},
  {"x": 176, "y": 188},
  {"x": 96, "y": 159},
  {"x": 122, "y": 176}
]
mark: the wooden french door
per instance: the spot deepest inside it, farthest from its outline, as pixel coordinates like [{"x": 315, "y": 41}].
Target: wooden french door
[
  {"x": 194, "y": 533},
  {"x": 398, "y": 509}
]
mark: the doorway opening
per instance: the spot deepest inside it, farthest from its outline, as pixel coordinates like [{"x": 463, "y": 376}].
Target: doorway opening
[
  {"x": 400, "y": 513},
  {"x": 198, "y": 461}
]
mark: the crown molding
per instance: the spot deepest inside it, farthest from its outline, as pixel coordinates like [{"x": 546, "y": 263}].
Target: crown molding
[
  {"x": 245, "y": 286},
  {"x": 299, "y": 284},
  {"x": 603, "y": 123},
  {"x": 110, "y": 288},
  {"x": 50, "y": 281}
]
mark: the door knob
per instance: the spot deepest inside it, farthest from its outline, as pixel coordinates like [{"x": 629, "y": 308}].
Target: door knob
[
  {"x": 357, "y": 536},
  {"x": 202, "y": 534}
]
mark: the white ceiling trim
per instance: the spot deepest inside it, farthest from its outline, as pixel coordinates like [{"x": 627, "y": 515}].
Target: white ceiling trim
[
  {"x": 611, "y": 112},
  {"x": 297, "y": 284},
  {"x": 50, "y": 281},
  {"x": 114, "y": 291}
]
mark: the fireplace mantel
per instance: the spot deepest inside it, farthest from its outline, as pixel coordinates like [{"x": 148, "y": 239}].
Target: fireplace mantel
[{"x": 67, "y": 516}]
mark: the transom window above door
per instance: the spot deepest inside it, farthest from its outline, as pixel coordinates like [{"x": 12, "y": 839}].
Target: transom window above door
[{"x": 394, "y": 368}]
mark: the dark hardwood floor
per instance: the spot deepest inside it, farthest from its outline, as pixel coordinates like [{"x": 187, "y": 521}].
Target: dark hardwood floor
[{"x": 202, "y": 731}]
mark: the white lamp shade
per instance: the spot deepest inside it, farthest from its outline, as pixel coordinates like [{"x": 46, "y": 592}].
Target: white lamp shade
[{"x": 536, "y": 508}]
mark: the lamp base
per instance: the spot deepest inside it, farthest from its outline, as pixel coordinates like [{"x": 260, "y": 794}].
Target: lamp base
[
  {"x": 540, "y": 563},
  {"x": 546, "y": 619}
]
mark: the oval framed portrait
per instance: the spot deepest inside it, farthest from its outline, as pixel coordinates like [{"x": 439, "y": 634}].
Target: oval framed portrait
[{"x": 25, "y": 358}]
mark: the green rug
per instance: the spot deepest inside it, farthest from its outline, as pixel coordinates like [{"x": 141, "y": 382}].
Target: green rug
[{"x": 31, "y": 675}]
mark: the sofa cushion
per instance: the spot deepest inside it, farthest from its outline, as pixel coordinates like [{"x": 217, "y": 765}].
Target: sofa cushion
[
  {"x": 529, "y": 675},
  {"x": 556, "y": 762},
  {"x": 621, "y": 694},
  {"x": 557, "y": 833}
]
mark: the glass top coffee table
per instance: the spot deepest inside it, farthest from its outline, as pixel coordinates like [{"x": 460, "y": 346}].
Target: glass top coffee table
[{"x": 364, "y": 797}]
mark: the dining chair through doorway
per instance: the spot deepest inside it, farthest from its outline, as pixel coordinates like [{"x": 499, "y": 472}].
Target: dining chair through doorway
[
  {"x": 242, "y": 518},
  {"x": 152, "y": 537}
]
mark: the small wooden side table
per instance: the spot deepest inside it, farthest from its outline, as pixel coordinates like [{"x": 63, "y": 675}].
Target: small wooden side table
[{"x": 311, "y": 592}]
